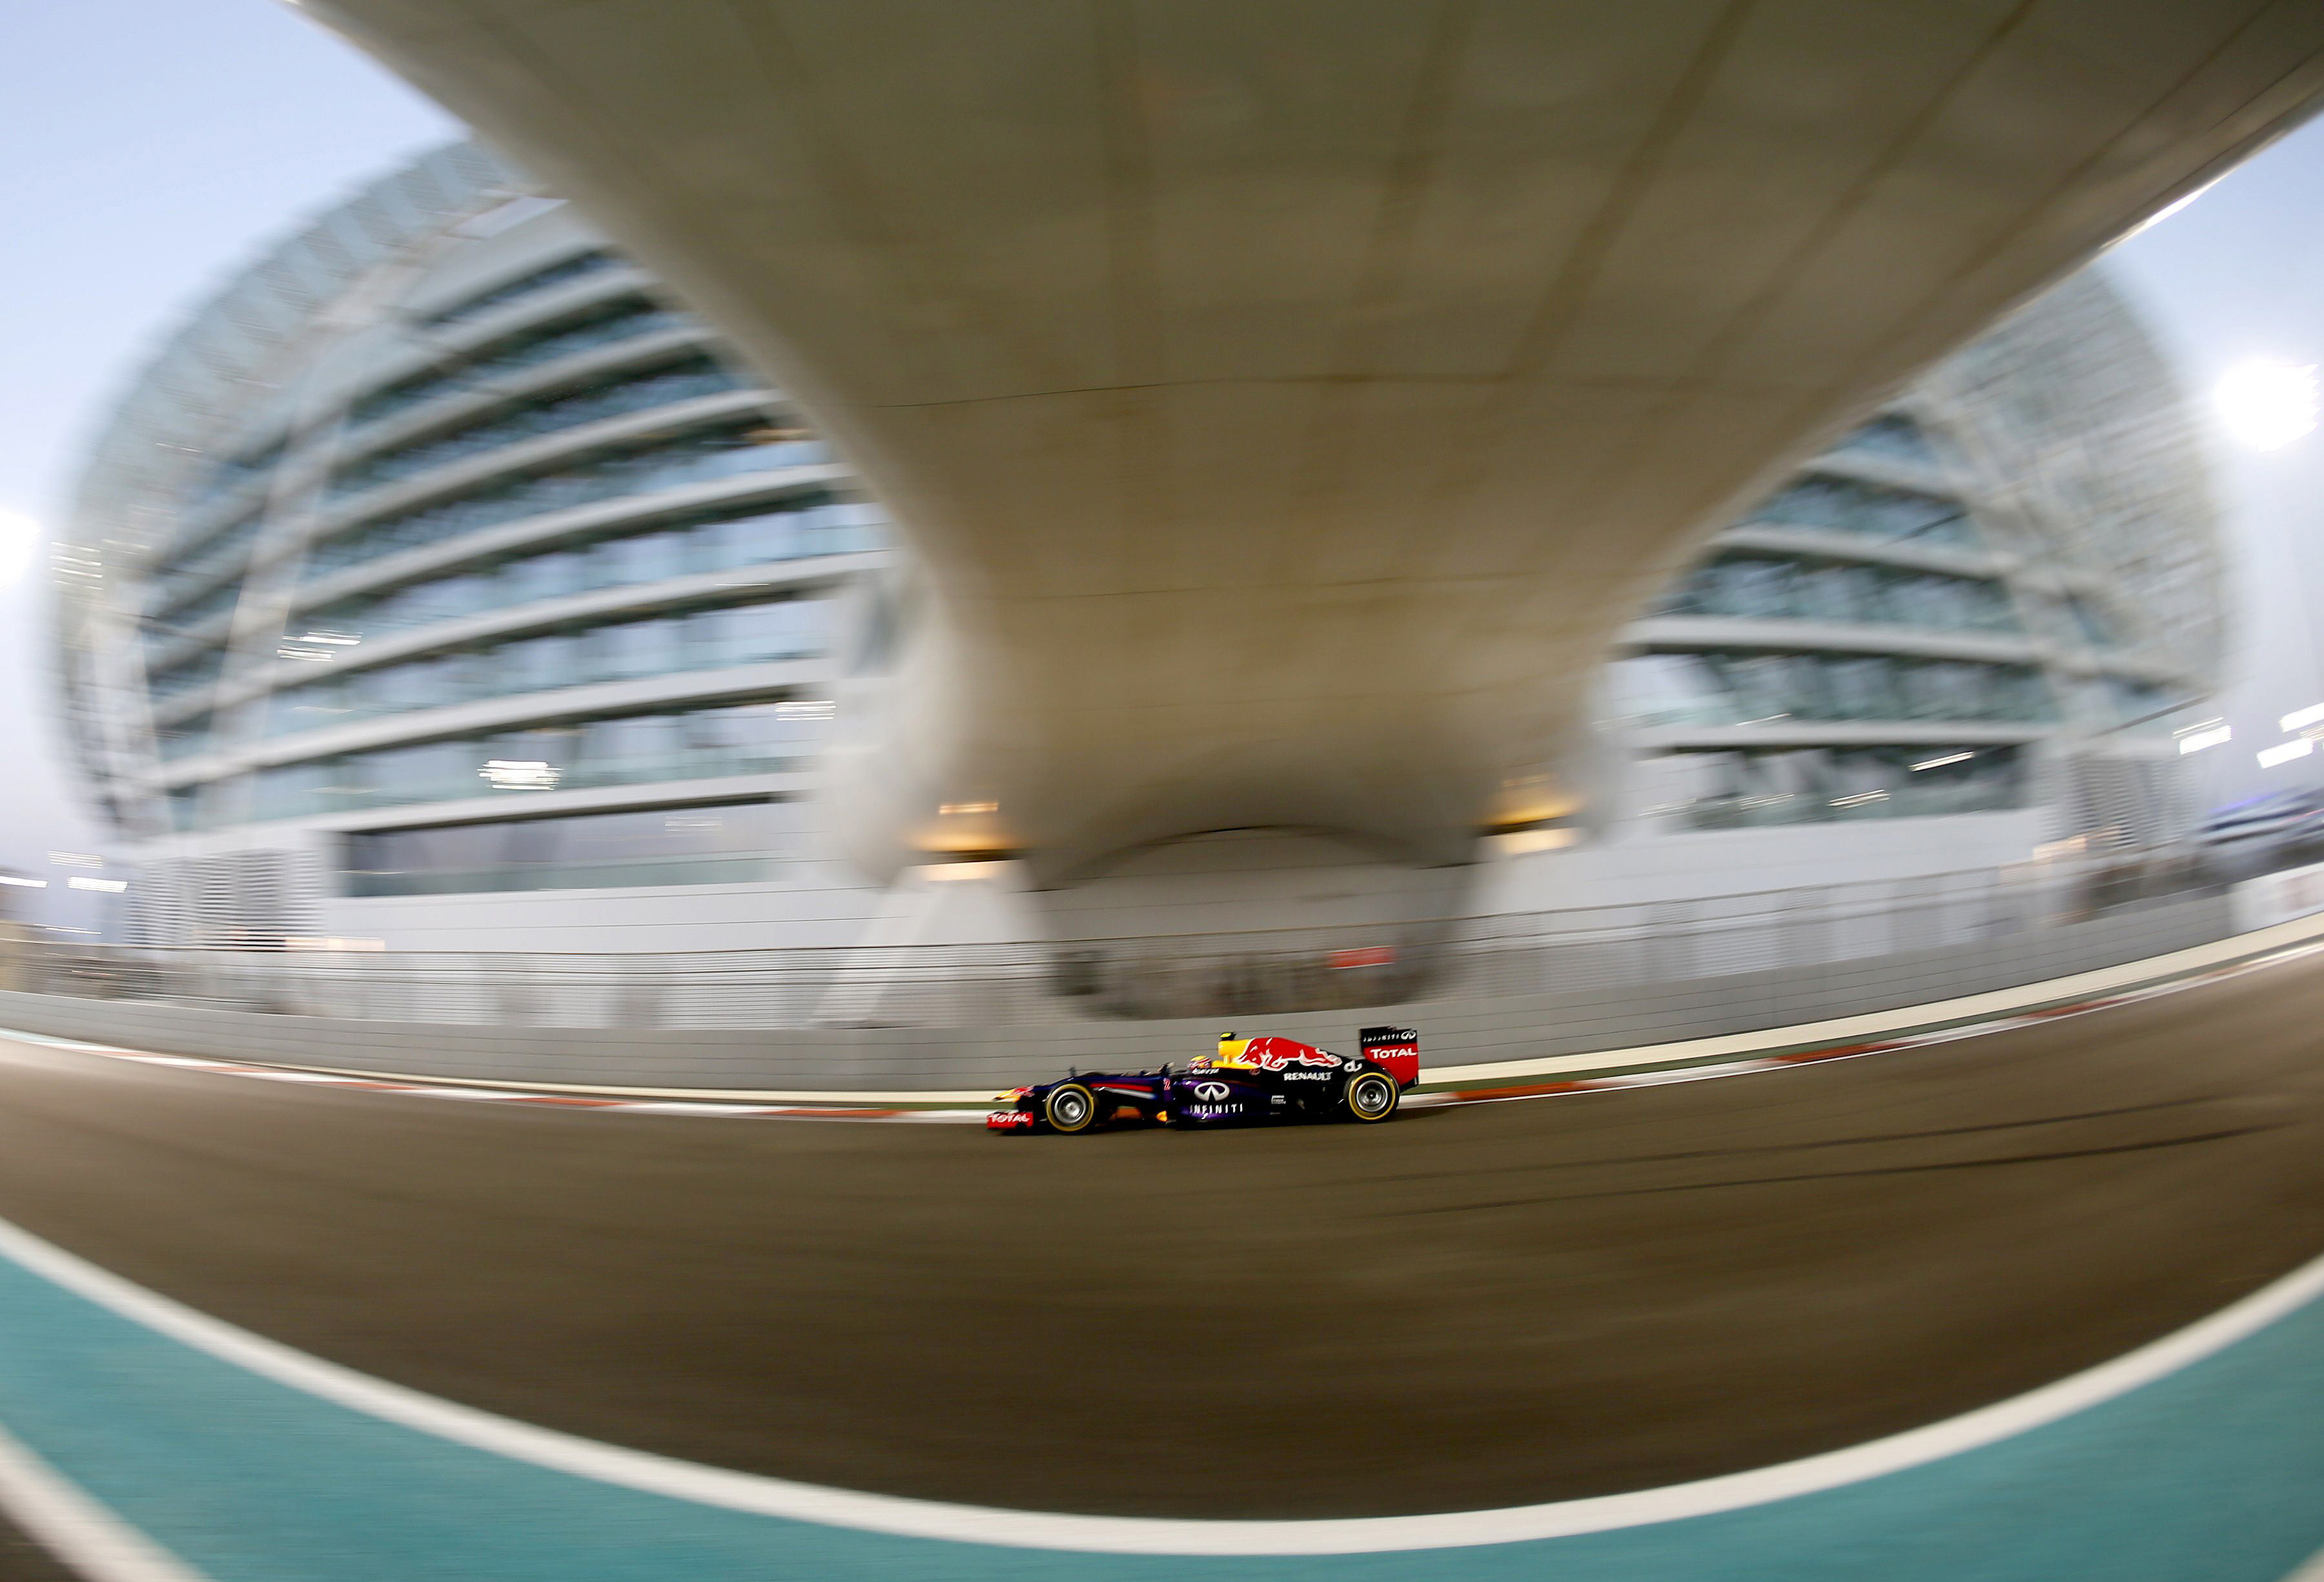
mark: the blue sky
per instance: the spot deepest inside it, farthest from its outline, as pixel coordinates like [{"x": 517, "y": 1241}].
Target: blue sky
[{"x": 149, "y": 147}]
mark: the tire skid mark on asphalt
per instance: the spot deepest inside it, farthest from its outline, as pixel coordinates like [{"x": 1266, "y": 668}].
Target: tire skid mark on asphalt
[
  {"x": 1514, "y": 1093},
  {"x": 1860, "y": 1140},
  {"x": 2051, "y": 1157}
]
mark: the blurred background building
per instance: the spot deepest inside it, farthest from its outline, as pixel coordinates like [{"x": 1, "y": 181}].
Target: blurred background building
[
  {"x": 1999, "y": 602},
  {"x": 443, "y": 584}
]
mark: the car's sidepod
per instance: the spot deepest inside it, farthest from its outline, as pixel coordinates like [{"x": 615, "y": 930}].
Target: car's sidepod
[{"x": 1205, "y": 1097}]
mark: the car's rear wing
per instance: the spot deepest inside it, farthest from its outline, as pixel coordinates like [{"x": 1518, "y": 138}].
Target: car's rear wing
[{"x": 1396, "y": 1049}]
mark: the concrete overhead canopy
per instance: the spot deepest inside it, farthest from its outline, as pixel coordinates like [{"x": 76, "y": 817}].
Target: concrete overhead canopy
[{"x": 1288, "y": 400}]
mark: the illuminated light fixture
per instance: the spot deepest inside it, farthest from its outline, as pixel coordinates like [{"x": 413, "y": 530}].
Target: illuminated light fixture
[
  {"x": 1941, "y": 762},
  {"x": 76, "y": 859},
  {"x": 23, "y": 882},
  {"x": 521, "y": 774},
  {"x": 2300, "y": 719},
  {"x": 1860, "y": 799},
  {"x": 2285, "y": 752},
  {"x": 2195, "y": 741},
  {"x": 972, "y": 868},
  {"x": 806, "y": 709},
  {"x": 110, "y": 886},
  {"x": 2266, "y": 404},
  {"x": 950, "y": 809},
  {"x": 312, "y": 655},
  {"x": 1537, "y": 808},
  {"x": 1520, "y": 843},
  {"x": 335, "y": 639}
]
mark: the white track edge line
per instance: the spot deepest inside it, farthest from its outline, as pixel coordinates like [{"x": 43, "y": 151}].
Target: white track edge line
[
  {"x": 1773, "y": 1058},
  {"x": 2088, "y": 991},
  {"x": 82, "y": 1534},
  {"x": 925, "y": 1519},
  {"x": 2173, "y": 968},
  {"x": 2311, "y": 1571}
]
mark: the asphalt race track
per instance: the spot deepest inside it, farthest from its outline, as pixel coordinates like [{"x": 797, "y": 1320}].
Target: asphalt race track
[{"x": 1496, "y": 1305}]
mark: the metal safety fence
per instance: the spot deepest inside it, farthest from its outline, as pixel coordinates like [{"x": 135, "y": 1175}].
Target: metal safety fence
[{"x": 1643, "y": 948}]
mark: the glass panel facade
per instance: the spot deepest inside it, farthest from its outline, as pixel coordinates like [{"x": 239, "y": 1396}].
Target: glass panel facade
[
  {"x": 1892, "y": 435},
  {"x": 231, "y": 474},
  {"x": 1826, "y": 504},
  {"x": 1734, "y": 790},
  {"x": 1715, "y": 687},
  {"x": 185, "y": 739},
  {"x": 575, "y": 268},
  {"x": 624, "y": 320},
  {"x": 2093, "y": 627},
  {"x": 725, "y": 843},
  {"x": 695, "y": 377},
  {"x": 798, "y": 527},
  {"x": 729, "y": 451},
  {"x": 654, "y": 645},
  {"x": 1650, "y": 689},
  {"x": 199, "y": 670},
  {"x": 633, "y": 749},
  {"x": 192, "y": 614},
  {"x": 2144, "y": 707},
  {"x": 1759, "y": 586},
  {"x": 221, "y": 552}
]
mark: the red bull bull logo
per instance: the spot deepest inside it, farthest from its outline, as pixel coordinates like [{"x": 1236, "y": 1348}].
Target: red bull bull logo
[{"x": 1278, "y": 1054}]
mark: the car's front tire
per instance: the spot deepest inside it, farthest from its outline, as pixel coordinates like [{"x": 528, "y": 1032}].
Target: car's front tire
[
  {"x": 1070, "y": 1107},
  {"x": 1369, "y": 1096}
]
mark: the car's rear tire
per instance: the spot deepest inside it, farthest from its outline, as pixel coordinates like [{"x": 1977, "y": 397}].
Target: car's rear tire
[
  {"x": 1369, "y": 1096},
  {"x": 1069, "y": 1108}
]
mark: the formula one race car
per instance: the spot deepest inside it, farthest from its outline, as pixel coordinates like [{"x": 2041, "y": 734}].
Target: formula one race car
[{"x": 1248, "y": 1079}]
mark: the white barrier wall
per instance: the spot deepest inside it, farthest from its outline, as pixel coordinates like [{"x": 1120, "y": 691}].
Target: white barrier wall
[
  {"x": 2278, "y": 897},
  {"x": 1456, "y": 1030}
]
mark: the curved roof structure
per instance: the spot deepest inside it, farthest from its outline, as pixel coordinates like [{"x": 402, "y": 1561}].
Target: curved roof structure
[{"x": 1277, "y": 395}]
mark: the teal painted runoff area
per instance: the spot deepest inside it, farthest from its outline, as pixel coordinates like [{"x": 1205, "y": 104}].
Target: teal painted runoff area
[{"x": 2214, "y": 1474}]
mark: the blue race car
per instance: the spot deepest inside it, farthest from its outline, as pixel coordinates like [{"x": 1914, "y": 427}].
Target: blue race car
[{"x": 1250, "y": 1079}]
